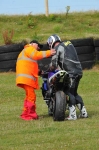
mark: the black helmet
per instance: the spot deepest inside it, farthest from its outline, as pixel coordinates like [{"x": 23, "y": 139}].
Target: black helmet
[{"x": 52, "y": 40}]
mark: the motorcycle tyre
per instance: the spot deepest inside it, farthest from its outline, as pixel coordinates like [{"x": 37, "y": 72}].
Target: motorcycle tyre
[{"x": 59, "y": 106}]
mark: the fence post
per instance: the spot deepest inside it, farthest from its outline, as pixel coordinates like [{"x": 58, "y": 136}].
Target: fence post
[{"x": 46, "y": 8}]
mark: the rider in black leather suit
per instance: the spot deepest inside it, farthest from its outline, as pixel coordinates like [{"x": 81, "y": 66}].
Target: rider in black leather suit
[{"x": 67, "y": 59}]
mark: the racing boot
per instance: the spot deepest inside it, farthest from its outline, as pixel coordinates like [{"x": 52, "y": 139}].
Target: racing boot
[
  {"x": 72, "y": 113},
  {"x": 83, "y": 112}
]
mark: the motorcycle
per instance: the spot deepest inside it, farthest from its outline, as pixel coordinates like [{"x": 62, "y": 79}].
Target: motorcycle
[{"x": 54, "y": 87}]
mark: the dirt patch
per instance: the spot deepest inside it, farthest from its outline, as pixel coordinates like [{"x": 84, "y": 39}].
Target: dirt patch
[{"x": 96, "y": 67}]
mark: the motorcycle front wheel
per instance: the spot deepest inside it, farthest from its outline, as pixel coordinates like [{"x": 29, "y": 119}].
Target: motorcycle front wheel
[{"x": 59, "y": 106}]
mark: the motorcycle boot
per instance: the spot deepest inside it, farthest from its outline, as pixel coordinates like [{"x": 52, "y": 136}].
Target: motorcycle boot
[
  {"x": 72, "y": 113},
  {"x": 83, "y": 113}
]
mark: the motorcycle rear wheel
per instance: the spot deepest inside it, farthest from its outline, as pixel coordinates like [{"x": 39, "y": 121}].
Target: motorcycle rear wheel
[{"x": 59, "y": 106}]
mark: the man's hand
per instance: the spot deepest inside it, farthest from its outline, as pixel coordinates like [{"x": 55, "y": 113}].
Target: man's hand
[{"x": 53, "y": 51}]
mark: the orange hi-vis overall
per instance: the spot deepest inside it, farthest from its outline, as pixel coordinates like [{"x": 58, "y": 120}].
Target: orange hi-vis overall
[{"x": 27, "y": 77}]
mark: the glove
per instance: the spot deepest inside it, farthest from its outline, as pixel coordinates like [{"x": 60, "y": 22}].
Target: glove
[
  {"x": 40, "y": 72},
  {"x": 52, "y": 68}
]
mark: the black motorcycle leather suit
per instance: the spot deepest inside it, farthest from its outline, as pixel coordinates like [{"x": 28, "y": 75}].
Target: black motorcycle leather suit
[{"x": 67, "y": 59}]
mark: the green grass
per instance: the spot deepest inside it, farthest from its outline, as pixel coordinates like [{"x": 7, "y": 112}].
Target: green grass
[
  {"x": 28, "y": 27},
  {"x": 45, "y": 134}
]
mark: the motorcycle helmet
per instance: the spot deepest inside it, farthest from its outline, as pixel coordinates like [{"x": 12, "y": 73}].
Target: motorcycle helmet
[{"x": 52, "y": 40}]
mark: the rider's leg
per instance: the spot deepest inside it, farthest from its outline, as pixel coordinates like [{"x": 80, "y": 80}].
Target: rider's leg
[
  {"x": 72, "y": 109},
  {"x": 81, "y": 107},
  {"x": 78, "y": 98}
]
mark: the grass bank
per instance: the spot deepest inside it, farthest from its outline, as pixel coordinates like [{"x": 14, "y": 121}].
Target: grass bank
[{"x": 70, "y": 26}]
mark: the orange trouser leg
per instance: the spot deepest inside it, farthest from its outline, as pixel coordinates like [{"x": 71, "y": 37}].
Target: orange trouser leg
[
  {"x": 30, "y": 93},
  {"x": 29, "y": 104}
]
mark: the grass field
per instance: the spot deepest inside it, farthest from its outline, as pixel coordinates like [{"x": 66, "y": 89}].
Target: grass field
[{"x": 45, "y": 134}]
